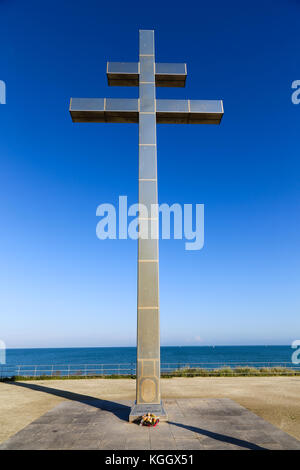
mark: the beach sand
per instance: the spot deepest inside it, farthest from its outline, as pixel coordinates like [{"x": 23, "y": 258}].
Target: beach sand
[{"x": 276, "y": 399}]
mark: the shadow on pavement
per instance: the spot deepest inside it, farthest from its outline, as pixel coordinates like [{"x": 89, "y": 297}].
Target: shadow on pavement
[
  {"x": 220, "y": 437},
  {"x": 118, "y": 409}
]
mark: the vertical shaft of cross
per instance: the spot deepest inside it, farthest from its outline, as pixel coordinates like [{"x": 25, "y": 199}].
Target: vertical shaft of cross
[
  {"x": 148, "y": 335},
  {"x": 147, "y": 111}
]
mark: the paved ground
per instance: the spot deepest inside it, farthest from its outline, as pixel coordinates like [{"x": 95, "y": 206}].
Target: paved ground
[
  {"x": 275, "y": 399},
  {"x": 193, "y": 424}
]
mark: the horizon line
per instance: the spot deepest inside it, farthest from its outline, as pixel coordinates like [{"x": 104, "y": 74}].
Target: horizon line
[{"x": 162, "y": 346}]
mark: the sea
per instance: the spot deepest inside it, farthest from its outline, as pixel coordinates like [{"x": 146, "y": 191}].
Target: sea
[{"x": 114, "y": 360}]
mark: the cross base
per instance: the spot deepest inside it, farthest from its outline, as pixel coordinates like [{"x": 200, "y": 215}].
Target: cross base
[{"x": 141, "y": 409}]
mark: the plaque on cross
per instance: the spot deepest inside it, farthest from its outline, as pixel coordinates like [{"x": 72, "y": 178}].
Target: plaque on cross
[{"x": 147, "y": 111}]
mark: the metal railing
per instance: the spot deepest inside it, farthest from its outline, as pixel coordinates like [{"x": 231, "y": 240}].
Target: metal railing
[
  {"x": 129, "y": 369},
  {"x": 67, "y": 370}
]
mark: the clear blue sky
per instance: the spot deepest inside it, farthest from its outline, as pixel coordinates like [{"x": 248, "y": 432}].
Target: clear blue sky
[{"x": 60, "y": 285}]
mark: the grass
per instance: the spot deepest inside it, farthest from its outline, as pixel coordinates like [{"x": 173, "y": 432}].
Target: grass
[
  {"x": 184, "y": 372},
  {"x": 234, "y": 372},
  {"x": 16, "y": 378}
]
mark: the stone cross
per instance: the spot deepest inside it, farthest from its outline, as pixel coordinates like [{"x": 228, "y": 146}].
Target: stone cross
[{"x": 147, "y": 111}]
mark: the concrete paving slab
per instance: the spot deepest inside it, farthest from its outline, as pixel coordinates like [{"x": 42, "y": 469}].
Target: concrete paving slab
[
  {"x": 189, "y": 444},
  {"x": 194, "y": 424}
]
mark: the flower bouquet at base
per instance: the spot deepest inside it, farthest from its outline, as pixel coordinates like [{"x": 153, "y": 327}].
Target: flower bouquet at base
[{"x": 149, "y": 419}]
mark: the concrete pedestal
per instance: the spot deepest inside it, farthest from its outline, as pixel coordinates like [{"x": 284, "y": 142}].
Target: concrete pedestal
[{"x": 139, "y": 410}]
